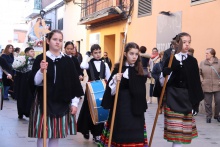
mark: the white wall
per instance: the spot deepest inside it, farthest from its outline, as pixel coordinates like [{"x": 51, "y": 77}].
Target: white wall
[{"x": 71, "y": 30}]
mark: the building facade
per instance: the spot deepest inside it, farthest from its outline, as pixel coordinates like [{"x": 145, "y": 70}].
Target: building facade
[{"x": 153, "y": 23}]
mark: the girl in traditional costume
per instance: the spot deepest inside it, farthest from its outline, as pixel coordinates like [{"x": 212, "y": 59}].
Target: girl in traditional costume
[
  {"x": 129, "y": 126},
  {"x": 183, "y": 93},
  {"x": 63, "y": 92}
]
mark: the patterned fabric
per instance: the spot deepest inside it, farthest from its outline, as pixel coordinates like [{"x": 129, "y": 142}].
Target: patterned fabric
[
  {"x": 56, "y": 127},
  {"x": 105, "y": 136},
  {"x": 178, "y": 127}
]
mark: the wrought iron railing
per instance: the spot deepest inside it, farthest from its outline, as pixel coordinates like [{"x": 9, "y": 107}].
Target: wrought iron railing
[{"x": 91, "y": 6}]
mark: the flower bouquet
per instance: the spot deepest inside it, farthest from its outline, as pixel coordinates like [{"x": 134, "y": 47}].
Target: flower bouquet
[{"x": 19, "y": 63}]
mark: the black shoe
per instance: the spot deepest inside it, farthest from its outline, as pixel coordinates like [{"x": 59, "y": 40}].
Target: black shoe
[
  {"x": 86, "y": 136},
  {"x": 215, "y": 117},
  {"x": 96, "y": 139},
  {"x": 208, "y": 120},
  {"x": 20, "y": 116},
  {"x": 218, "y": 119}
]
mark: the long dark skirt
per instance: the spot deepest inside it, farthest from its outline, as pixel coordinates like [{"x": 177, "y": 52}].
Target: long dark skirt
[
  {"x": 129, "y": 130},
  {"x": 85, "y": 124},
  {"x": 23, "y": 94}
]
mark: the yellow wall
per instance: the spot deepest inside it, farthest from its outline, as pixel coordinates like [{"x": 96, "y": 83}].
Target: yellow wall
[
  {"x": 201, "y": 21},
  {"x": 113, "y": 30}
]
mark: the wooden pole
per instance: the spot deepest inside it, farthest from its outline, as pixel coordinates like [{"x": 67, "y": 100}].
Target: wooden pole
[
  {"x": 163, "y": 91},
  {"x": 117, "y": 86},
  {"x": 44, "y": 97}
]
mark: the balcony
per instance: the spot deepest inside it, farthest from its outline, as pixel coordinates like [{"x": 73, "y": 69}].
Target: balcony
[
  {"x": 100, "y": 12},
  {"x": 33, "y": 8}
]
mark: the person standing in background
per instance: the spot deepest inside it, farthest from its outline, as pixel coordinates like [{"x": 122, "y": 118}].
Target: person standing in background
[
  {"x": 191, "y": 52},
  {"x": 156, "y": 72},
  {"x": 107, "y": 60},
  {"x": 16, "y": 51},
  {"x": 69, "y": 49},
  {"x": 210, "y": 77},
  {"x": 4, "y": 67},
  {"x": 153, "y": 60},
  {"x": 145, "y": 57},
  {"x": 8, "y": 56}
]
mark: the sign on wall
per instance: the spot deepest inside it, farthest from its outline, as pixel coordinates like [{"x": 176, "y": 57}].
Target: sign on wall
[{"x": 167, "y": 28}]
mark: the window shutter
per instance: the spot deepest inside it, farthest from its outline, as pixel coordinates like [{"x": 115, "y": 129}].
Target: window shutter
[
  {"x": 144, "y": 7},
  {"x": 60, "y": 24}
]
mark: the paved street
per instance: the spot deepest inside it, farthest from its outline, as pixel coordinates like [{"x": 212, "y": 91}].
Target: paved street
[{"x": 13, "y": 132}]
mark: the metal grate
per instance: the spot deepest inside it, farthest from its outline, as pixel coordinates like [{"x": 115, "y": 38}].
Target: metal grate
[{"x": 144, "y": 7}]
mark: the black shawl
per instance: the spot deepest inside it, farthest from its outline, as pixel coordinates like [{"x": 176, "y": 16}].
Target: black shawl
[
  {"x": 137, "y": 90},
  {"x": 66, "y": 87},
  {"x": 192, "y": 77}
]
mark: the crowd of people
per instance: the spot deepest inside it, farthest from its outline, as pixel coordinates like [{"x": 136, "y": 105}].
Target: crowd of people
[{"x": 64, "y": 90}]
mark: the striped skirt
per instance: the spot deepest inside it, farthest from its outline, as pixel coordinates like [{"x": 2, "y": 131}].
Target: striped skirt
[
  {"x": 56, "y": 127},
  {"x": 178, "y": 127},
  {"x": 105, "y": 137}
]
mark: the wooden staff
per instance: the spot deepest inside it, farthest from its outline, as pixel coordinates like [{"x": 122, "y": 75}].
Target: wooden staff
[
  {"x": 117, "y": 86},
  {"x": 163, "y": 91},
  {"x": 44, "y": 97}
]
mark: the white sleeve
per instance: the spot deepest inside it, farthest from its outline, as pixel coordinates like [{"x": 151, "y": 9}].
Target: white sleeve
[
  {"x": 75, "y": 102},
  {"x": 38, "y": 78},
  {"x": 107, "y": 72},
  {"x": 112, "y": 84},
  {"x": 85, "y": 64}
]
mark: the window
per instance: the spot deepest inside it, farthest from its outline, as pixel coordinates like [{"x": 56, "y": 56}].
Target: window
[
  {"x": 196, "y": 2},
  {"x": 144, "y": 8},
  {"x": 60, "y": 24}
]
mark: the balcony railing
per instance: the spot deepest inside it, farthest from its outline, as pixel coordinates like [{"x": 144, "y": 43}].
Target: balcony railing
[{"x": 92, "y": 6}]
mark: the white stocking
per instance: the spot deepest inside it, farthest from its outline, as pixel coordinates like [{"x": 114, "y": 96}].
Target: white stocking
[
  {"x": 53, "y": 142},
  {"x": 177, "y": 145}
]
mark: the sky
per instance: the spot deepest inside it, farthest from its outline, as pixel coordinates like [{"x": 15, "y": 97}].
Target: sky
[
  {"x": 11, "y": 13},
  {"x": 11, "y": 10}
]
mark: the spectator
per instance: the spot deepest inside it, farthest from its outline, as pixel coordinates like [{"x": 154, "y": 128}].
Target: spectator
[
  {"x": 8, "y": 56},
  {"x": 153, "y": 60},
  {"x": 77, "y": 54},
  {"x": 157, "y": 69},
  {"x": 210, "y": 77},
  {"x": 145, "y": 57},
  {"x": 107, "y": 60},
  {"x": 191, "y": 51},
  {"x": 16, "y": 51}
]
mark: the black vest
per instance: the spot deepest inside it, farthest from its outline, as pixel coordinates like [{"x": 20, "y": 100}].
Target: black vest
[{"x": 93, "y": 73}]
